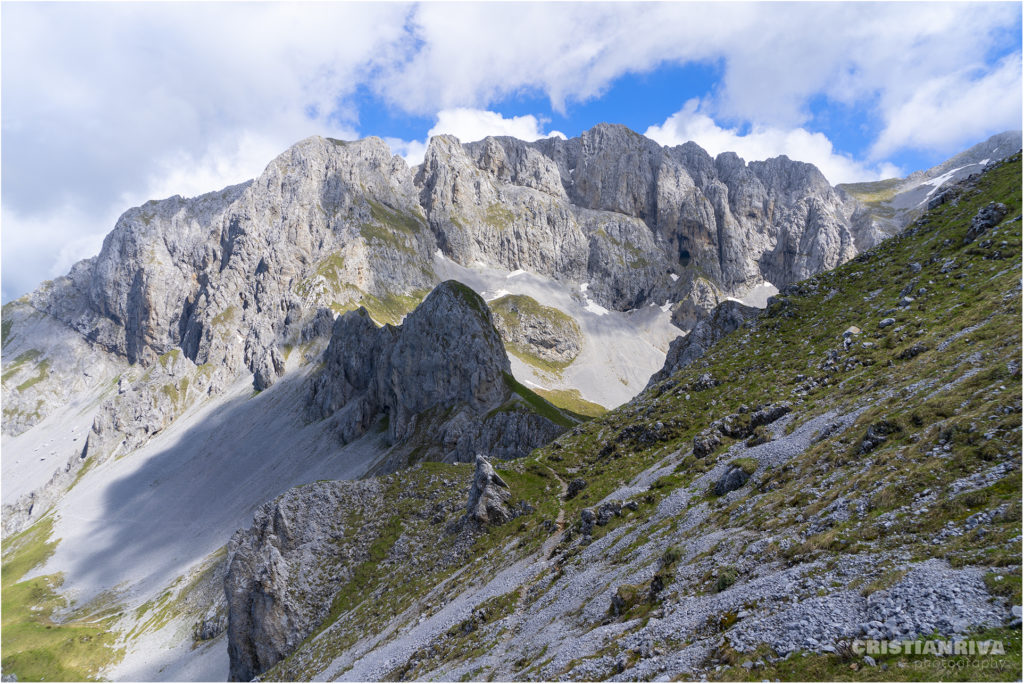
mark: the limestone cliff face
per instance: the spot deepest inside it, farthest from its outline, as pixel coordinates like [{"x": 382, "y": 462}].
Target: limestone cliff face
[
  {"x": 630, "y": 217},
  {"x": 231, "y": 278},
  {"x": 777, "y": 220},
  {"x": 225, "y": 275},
  {"x": 441, "y": 381},
  {"x": 285, "y": 569}
]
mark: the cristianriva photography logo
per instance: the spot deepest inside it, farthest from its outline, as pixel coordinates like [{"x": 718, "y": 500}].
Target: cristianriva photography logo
[{"x": 938, "y": 647}]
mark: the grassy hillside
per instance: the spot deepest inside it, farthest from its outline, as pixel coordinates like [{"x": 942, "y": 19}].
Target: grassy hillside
[
  {"x": 893, "y": 480},
  {"x": 875, "y": 192}
]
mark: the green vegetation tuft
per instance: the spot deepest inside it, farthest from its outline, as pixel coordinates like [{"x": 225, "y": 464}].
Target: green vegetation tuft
[
  {"x": 541, "y": 406},
  {"x": 725, "y": 578},
  {"x": 225, "y": 317},
  {"x": 391, "y": 308},
  {"x": 19, "y": 363},
  {"x": 391, "y": 227},
  {"x": 329, "y": 271},
  {"x": 42, "y": 371},
  {"x": 511, "y": 307},
  {"x": 572, "y": 400},
  {"x": 747, "y": 465},
  {"x": 38, "y": 646}
]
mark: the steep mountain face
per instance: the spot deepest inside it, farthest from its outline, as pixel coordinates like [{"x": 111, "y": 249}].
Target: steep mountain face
[
  {"x": 658, "y": 211},
  {"x": 845, "y": 465},
  {"x": 161, "y": 391},
  {"x": 441, "y": 380},
  {"x": 227, "y": 277},
  {"x": 200, "y": 291}
]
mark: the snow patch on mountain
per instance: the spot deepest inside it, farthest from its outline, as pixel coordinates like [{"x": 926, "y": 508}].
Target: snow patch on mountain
[{"x": 620, "y": 349}]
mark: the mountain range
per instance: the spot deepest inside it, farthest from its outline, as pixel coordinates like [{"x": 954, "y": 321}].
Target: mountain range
[{"x": 361, "y": 330}]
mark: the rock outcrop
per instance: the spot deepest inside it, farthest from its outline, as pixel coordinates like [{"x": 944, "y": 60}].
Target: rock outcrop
[
  {"x": 683, "y": 351},
  {"x": 987, "y": 217},
  {"x": 285, "y": 569},
  {"x": 316, "y": 548},
  {"x": 733, "y": 478},
  {"x": 441, "y": 380},
  {"x": 489, "y": 495}
]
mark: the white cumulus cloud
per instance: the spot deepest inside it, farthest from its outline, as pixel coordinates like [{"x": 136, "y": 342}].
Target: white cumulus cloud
[
  {"x": 44, "y": 244},
  {"x": 108, "y": 101},
  {"x": 955, "y": 110},
  {"x": 104, "y": 101},
  {"x": 763, "y": 142}
]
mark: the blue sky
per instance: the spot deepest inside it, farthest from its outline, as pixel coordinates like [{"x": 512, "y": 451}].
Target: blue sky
[{"x": 107, "y": 105}]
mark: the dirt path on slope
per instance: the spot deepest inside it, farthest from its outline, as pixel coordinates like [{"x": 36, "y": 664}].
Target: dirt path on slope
[{"x": 546, "y": 548}]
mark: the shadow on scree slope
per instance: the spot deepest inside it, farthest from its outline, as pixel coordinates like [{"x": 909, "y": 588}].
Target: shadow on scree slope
[{"x": 186, "y": 500}]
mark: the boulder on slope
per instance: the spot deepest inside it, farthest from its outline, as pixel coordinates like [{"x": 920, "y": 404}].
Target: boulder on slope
[{"x": 489, "y": 495}]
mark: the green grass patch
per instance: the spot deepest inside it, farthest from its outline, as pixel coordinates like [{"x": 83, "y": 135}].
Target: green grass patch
[
  {"x": 874, "y": 192},
  {"x": 329, "y": 270},
  {"x": 42, "y": 371},
  {"x": 391, "y": 227},
  {"x": 572, "y": 400},
  {"x": 747, "y": 465},
  {"x": 19, "y": 362},
  {"x": 542, "y": 406},
  {"x": 846, "y": 666},
  {"x": 512, "y": 307},
  {"x": 225, "y": 317},
  {"x": 392, "y": 307},
  {"x": 552, "y": 368},
  {"x": 1005, "y": 583},
  {"x": 36, "y": 645}
]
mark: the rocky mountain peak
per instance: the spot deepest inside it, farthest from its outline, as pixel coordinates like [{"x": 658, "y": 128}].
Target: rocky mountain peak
[
  {"x": 789, "y": 177},
  {"x": 447, "y": 352},
  {"x": 441, "y": 380}
]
